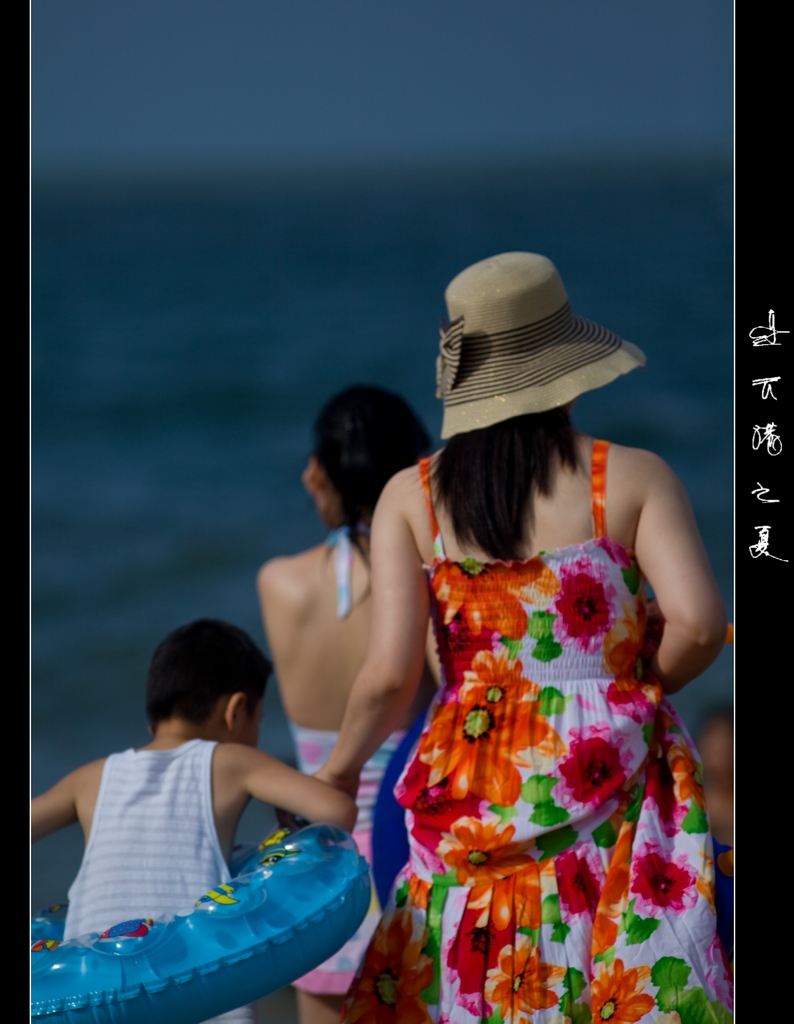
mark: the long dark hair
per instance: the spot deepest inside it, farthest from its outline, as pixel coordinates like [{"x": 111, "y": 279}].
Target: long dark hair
[
  {"x": 486, "y": 479},
  {"x": 362, "y": 437}
]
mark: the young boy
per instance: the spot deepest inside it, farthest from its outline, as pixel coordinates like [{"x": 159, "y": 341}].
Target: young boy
[{"x": 159, "y": 821}]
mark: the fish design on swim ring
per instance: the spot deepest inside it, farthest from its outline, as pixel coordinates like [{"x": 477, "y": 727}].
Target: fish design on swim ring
[
  {"x": 221, "y": 894},
  {"x": 276, "y": 848},
  {"x": 132, "y": 929},
  {"x": 42, "y": 944}
]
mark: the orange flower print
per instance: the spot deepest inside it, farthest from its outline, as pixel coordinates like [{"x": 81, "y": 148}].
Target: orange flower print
[
  {"x": 615, "y": 892},
  {"x": 522, "y": 984},
  {"x": 481, "y": 852},
  {"x": 394, "y": 974},
  {"x": 631, "y": 693},
  {"x": 493, "y": 594},
  {"x": 478, "y": 740},
  {"x": 623, "y": 642},
  {"x": 514, "y": 900},
  {"x": 687, "y": 776},
  {"x": 618, "y": 996}
]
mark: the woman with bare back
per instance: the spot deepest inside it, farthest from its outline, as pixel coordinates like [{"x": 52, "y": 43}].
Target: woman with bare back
[
  {"x": 317, "y": 610},
  {"x": 561, "y": 857}
]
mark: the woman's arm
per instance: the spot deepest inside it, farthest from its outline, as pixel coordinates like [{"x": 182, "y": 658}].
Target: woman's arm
[
  {"x": 388, "y": 680},
  {"x": 671, "y": 554}
]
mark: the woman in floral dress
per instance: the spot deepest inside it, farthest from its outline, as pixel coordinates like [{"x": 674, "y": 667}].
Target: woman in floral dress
[{"x": 561, "y": 862}]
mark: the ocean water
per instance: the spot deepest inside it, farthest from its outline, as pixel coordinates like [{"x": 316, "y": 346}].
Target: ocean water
[{"x": 186, "y": 332}]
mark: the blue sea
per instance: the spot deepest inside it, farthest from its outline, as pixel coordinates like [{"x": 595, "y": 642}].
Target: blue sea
[{"x": 186, "y": 330}]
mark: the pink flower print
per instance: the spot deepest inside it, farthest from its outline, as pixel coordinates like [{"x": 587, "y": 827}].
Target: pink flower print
[
  {"x": 578, "y": 883},
  {"x": 584, "y": 605},
  {"x": 616, "y": 552},
  {"x": 593, "y": 769},
  {"x": 662, "y": 884},
  {"x": 719, "y": 974}
]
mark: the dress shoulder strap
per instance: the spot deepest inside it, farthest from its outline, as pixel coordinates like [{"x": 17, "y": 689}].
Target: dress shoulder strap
[
  {"x": 598, "y": 487},
  {"x": 424, "y": 473}
]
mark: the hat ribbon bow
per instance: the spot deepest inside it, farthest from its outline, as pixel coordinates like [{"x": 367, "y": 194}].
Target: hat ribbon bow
[{"x": 448, "y": 361}]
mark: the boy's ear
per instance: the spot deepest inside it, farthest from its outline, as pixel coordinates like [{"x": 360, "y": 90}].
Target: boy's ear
[{"x": 236, "y": 708}]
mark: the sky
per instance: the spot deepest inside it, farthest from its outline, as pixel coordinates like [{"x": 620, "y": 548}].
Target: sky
[{"x": 228, "y": 83}]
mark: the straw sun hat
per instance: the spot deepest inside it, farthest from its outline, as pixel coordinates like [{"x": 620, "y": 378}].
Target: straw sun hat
[{"x": 513, "y": 346}]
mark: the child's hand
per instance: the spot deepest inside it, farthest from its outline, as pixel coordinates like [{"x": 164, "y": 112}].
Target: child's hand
[{"x": 287, "y": 819}]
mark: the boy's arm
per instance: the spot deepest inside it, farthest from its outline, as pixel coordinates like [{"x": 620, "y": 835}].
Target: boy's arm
[
  {"x": 267, "y": 779},
  {"x": 72, "y": 799}
]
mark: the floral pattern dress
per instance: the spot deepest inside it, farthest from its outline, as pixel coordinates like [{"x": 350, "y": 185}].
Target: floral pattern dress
[{"x": 561, "y": 866}]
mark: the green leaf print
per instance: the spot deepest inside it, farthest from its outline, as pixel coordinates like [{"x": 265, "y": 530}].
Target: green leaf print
[
  {"x": 722, "y": 1015},
  {"x": 638, "y": 929},
  {"x": 547, "y": 649},
  {"x": 540, "y": 625},
  {"x": 696, "y": 820},
  {"x": 550, "y": 909},
  {"x": 559, "y": 931},
  {"x": 505, "y": 813},
  {"x": 513, "y": 647},
  {"x": 537, "y": 789},
  {"x": 647, "y": 732},
  {"x": 533, "y": 933},
  {"x": 495, "y": 1018},
  {"x": 401, "y": 895},
  {"x": 631, "y": 578},
  {"x": 548, "y": 814},
  {"x": 606, "y": 957},
  {"x": 670, "y": 975},
  {"x": 552, "y": 702},
  {"x": 435, "y": 908},
  {"x": 604, "y": 836},
  {"x": 575, "y": 982},
  {"x": 552, "y": 843},
  {"x": 693, "y": 1007},
  {"x": 637, "y": 796},
  {"x": 540, "y": 628},
  {"x": 471, "y": 566}
]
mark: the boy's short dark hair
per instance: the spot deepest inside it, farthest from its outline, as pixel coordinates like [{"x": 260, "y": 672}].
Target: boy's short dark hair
[{"x": 197, "y": 664}]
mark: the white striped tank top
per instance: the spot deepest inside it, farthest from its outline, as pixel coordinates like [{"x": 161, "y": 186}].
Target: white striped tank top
[{"x": 153, "y": 847}]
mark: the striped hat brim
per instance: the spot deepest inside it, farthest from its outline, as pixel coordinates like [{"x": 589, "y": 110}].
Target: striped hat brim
[{"x": 484, "y": 379}]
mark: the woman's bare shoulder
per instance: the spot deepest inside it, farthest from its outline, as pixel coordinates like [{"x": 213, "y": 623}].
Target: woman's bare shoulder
[
  {"x": 404, "y": 490},
  {"x": 291, "y": 578},
  {"x": 403, "y": 496},
  {"x": 638, "y": 468}
]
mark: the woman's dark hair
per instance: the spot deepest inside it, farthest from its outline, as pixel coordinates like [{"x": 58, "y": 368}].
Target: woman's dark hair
[
  {"x": 487, "y": 478},
  {"x": 197, "y": 664},
  {"x": 362, "y": 438}
]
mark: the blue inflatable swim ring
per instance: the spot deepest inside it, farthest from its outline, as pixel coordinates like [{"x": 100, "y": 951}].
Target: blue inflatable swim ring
[
  {"x": 389, "y": 835},
  {"x": 48, "y": 924},
  {"x": 296, "y": 900}
]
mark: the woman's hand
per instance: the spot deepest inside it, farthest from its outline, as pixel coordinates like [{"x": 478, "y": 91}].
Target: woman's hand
[{"x": 347, "y": 784}]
